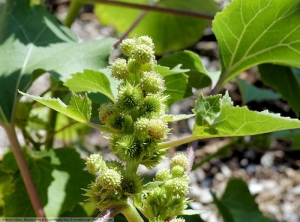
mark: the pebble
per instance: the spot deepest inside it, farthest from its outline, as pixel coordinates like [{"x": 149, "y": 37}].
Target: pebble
[
  {"x": 255, "y": 188},
  {"x": 296, "y": 190},
  {"x": 267, "y": 159}
]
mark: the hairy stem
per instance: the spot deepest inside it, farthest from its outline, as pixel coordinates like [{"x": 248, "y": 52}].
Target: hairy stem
[
  {"x": 157, "y": 9},
  {"x": 191, "y": 154},
  {"x": 73, "y": 12},
  {"x": 28, "y": 181},
  {"x": 177, "y": 142}
]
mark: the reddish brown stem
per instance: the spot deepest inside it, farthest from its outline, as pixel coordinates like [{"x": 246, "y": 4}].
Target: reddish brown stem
[
  {"x": 157, "y": 9},
  {"x": 27, "y": 178}
]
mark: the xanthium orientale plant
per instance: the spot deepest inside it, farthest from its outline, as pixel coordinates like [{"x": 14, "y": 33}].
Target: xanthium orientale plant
[
  {"x": 137, "y": 126},
  {"x": 137, "y": 121}
]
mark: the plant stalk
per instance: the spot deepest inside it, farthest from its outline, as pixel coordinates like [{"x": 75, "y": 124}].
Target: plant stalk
[
  {"x": 131, "y": 213},
  {"x": 73, "y": 12},
  {"x": 27, "y": 178},
  {"x": 177, "y": 142},
  {"x": 157, "y": 9}
]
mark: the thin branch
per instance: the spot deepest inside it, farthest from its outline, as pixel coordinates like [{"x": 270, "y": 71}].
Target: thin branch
[
  {"x": 157, "y": 9},
  {"x": 27, "y": 178},
  {"x": 136, "y": 22}
]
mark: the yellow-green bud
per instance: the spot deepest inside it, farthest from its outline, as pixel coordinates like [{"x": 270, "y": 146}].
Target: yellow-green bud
[
  {"x": 177, "y": 171},
  {"x": 145, "y": 40},
  {"x": 105, "y": 111},
  {"x": 143, "y": 54},
  {"x": 94, "y": 162},
  {"x": 152, "y": 82},
  {"x": 115, "y": 165},
  {"x": 177, "y": 186},
  {"x": 127, "y": 46},
  {"x": 141, "y": 127},
  {"x": 158, "y": 129},
  {"x": 180, "y": 160},
  {"x": 119, "y": 69},
  {"x": 134, "y": 67},
  {"x": 162, "y": 175},
  {"x": 109, "y": 179}
]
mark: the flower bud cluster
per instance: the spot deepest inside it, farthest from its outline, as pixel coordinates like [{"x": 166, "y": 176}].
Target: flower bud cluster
[
  {"x": 135, "y": 119},
  {"x": 136, "y": 115},
  {"x": 167, "y": 200},
  {"x": 112, "y": 185}
]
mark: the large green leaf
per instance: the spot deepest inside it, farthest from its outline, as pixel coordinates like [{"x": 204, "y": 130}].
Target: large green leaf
[
  {"x": 252, "y": 93},
  {"x": 169, "y": 32},
  {"x": 217, "y": 117},
  {"x": 93, "y": 81},
  {"x": 176, "y": 83},
  {"x": 237, "y": 204},
  {"x": 32, "y": 42},
  {"x": 199, "y": 77},
  {"x": 59, "y": 177},
  {"x": 17, "y": 203},
  {"x": 256, "y": 32},
  {"x": 285, "y": 80}
]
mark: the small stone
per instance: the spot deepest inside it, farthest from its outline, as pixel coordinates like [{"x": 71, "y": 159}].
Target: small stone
[
  {"x": 255, "y": 188},
  {"x": 267, "y": 159}
]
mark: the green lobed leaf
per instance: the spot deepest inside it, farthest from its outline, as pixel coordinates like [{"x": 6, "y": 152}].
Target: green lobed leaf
[
  {"x": 286, "y": 80},
  {"x": 207, "y": 109},
  {"x": 238, "y": 205},
  {"x": 252, "y": 93},
  {"x": 79, "y": 108},
  {"x": 175, "y": 118},
  {"x": 169, "y": 32},
  {"x": 176, "y": 83},
  {"x": 33, "y": 41},
  {"x": 17, "y": 202},
  {"x": 58, "y": 175},
  {"x": 220, "y": 119},
  {"x": 92, "y": 81},
  {"x": 65, "y": 192},
  {"x": 199, "y": 77},
  {"x": 256, "y": 32}
]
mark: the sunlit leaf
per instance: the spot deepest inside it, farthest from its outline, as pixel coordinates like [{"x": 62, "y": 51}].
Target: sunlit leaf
[
  {"x": 33, "y": 42},
  {"x": 218, "y": 119},
  {"x": 92, "y": 81},
  {"x": 256, "y": 32}
]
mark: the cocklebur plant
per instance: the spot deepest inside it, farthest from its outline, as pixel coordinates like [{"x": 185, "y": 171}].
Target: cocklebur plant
[{"x": 137, "y": 118}]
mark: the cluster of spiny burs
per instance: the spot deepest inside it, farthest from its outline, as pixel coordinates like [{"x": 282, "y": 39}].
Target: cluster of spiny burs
[{"x": 136, "y": 118}]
